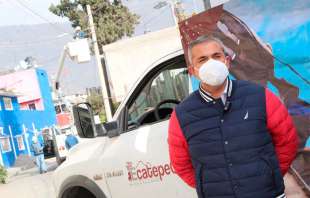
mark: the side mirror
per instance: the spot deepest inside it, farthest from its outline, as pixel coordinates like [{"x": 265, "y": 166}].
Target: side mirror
[
  {"x": 112, "y": 129},
  {"x": 84, "y": 120}
]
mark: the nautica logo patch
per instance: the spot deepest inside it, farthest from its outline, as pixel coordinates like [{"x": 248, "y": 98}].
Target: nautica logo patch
[{"x": 246, "y": 115}]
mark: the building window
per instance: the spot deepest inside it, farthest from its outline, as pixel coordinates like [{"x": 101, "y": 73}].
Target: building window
[
  {"x": 20, "y": 142},
  {"x": 8, "y": 103},
  {"x": 5, "y": 144},
  {"x": 32, "y": 106}
]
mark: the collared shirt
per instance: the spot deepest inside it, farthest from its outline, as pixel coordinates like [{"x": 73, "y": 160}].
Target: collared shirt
[{"x": 226, "y": 93}]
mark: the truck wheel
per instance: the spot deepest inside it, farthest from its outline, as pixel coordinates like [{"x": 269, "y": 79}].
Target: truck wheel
[{"x": 78, "y": 192}]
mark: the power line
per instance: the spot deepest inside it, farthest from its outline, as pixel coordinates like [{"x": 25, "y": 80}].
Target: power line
[
  {"x": 39, "y": 16},
  {"x": 38, "y": 42},
  {"x": 153, "y": 18},
  {"x": 50, "y": 60},
  {"x": 29, "y": 43}
]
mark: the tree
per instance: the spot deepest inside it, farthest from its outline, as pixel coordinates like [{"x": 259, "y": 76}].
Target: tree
[
  {"x": 112, "y": 20},
  {"x": 96, "y": 101}
]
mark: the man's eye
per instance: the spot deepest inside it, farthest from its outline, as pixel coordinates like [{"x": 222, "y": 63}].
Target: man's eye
[
  {"x": 202, "y": 60},
  {"x": 217, "y": 56}
]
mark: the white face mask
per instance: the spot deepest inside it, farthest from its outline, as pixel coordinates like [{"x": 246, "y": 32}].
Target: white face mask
[{"x": 213, "y": 72}]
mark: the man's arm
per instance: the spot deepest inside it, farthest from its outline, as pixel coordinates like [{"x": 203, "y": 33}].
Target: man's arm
[
  {"x": 283, "y": 131},
  {"x": 179, "y": 154}
]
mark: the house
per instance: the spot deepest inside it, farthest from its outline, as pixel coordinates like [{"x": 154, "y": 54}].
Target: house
[{"x": 26, "y": 110}]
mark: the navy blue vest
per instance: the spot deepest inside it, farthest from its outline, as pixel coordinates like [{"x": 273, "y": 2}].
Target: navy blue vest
[{"x": 231, "y": 150}]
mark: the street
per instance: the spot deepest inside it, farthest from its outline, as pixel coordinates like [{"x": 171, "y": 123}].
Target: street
[{"x": 29, "y": 183}]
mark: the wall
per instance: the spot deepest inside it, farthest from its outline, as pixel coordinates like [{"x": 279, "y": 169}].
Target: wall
[
  {"x": 26, "y": 122},
  {"x": 25, "y": 84}
]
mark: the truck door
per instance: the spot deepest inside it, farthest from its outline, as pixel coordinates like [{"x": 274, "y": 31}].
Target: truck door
[{"x": 137, "y": 162}]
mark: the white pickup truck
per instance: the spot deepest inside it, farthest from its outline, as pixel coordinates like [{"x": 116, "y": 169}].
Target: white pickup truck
[{"x": 129, "y": 156}]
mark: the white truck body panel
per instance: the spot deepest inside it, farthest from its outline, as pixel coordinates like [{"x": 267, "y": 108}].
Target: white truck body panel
[{"x": 127, "y": 60}]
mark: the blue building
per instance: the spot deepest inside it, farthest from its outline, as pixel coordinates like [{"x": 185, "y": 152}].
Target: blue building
[{"x": 18, "y": 125}]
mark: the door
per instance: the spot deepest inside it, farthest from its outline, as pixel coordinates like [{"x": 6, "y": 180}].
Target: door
[{"x": 137, "y": 162}]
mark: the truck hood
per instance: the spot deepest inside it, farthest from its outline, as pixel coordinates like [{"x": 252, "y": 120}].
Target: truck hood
[{"x": 85, "y": 150}]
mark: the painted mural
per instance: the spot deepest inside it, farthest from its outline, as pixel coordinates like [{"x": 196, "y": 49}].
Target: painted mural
[{"x": 269, "y": 43}]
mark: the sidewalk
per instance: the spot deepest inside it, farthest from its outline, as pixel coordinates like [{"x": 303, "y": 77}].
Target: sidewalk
[
  {"x": 16, "y": 173},
  {"x": 29, "y": 183}
]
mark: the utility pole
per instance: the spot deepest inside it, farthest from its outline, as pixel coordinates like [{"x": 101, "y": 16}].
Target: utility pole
[
  {"x": 103, "y": 81},
  {"x": 173, "y": 11},
  {"x": 207, "y": 4}
]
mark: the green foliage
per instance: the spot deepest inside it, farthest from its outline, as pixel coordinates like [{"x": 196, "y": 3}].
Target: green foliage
[
  {"x": 3, "y": 174},
  {"x": 112, "y": 20},
  {"x": 96, "y": 101},
  {"x": 102, "y": 116}
]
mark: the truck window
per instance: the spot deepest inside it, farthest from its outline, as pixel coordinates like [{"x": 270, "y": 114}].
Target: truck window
[{"x": 170, "y": 83}]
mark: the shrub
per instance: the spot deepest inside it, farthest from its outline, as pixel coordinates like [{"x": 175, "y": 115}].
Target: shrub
[{"x": 3, "y": 174}]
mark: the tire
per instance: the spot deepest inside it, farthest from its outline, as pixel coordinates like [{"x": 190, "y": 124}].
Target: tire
[
  {"x": 78, "y": 192},
  {"x": 79, "y": 186}
]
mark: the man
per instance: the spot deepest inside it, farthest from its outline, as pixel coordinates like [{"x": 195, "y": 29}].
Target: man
[
  {"x": 230, "y": 139},
  {"x": 71, "y": 140},
  {"x": 37, "y": 149}
]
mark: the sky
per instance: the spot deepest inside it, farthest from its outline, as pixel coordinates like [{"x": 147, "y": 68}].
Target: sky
[
  {"x": 22, "y": 35},
  {"x": 20, "y": 14},
  {"x": 31, "y": 30},
  {"x": 24, "y": 12}
]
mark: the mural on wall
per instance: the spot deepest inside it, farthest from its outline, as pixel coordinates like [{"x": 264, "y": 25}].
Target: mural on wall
[{"x": 270, "y": 45}]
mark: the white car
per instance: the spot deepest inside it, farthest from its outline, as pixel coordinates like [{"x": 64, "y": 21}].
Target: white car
[{"x": 129, "y": 156}]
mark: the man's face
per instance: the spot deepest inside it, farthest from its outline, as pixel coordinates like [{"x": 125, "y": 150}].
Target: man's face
[{"x": 203, "y": 52}]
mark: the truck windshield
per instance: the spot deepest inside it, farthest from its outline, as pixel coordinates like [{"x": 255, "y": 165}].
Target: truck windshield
[{"x": 171, "y": 83}]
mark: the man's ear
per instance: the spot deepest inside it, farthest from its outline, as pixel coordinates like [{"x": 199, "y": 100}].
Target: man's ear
[
  {"x": 191, "y": 70},
  {"x": 228, "y": 61}
]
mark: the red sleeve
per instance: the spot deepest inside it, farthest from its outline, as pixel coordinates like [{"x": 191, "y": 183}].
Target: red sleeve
[
  {"x": 179, "y": 153},
  {"x": 283, "y": 131}
]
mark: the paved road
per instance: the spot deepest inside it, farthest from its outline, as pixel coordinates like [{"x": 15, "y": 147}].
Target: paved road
[{"x": 29, "y": 183}]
